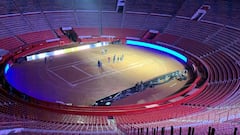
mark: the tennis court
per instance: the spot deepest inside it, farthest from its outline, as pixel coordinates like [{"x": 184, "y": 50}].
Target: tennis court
[{"x": 76, "y": 78}]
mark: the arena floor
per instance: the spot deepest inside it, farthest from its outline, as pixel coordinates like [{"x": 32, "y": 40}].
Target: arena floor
[{"x": 75, "y": 77}]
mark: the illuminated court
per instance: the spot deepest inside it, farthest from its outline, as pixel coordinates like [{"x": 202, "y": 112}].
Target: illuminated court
[{"x": 76, "y": 78}]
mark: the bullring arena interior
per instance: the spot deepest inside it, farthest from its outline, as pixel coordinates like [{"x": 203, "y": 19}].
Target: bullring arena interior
[{"x": 119, "y": 67}]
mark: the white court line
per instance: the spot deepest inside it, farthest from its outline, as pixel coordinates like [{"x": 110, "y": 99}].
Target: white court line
[
  {"x": 70, "y": 84},
  {"x": 133, "y": 63},
  {"x": 91, "y": 59},
  {"x": 69, "y": 65},
  {"x": 97, "y": 77},
  {"x": 109, "y": 71},
  {"x": 81, "y": 70},
  {"x": 75, "y": 63},
  {"x": 173, "y": 85}
]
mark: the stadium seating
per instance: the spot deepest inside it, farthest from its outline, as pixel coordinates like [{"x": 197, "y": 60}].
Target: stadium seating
[
  {"x": 224, "y": 37},
  {"x": 194, "y": 47},
  {"x": 194, "y": 30},
  {"x": 122, "y": 33},
  {"x": 152, "y": 22},
  {"x": 88, "y": 19},
  {"x": 27, "y": 6},
  {"x": 222, "y": 68},
  {"x": 38, "y": 21},
  {"x": 111, "y": 20},
  {"x": 8, "y": 7},
  {"x": 58, "y": 19},
  {"x": 10, "y": 43},
  {"x": 39, "y": 36},
  {"x": 189, "y": 8},
  {"x": 87, "y": 31},
  {"x": 4, "y": 32},
  {"x": 135, "y": 21},
  {"x": 166, "y": 38},
  {"x": 215, "y": 41},
  {"x": 225, "y": 16},
  {"x": 16, "y": 24},
  {"x": 57, "y": 5},
  {"x": 154, "y": 7},
  {"x": 213, "y": 94},
  {"x": 233, "y": 51}
]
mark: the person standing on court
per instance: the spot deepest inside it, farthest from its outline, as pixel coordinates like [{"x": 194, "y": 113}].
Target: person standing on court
[
  {"x": 45, "y": 60},
  {"x": 114, "y": 58},
  {"x": 122, "y": 57},
  {"x": 99, "y": 63}
]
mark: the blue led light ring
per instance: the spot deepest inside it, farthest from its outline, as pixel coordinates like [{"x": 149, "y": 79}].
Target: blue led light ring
[
  {"x": 6, "y": 68},
  {"x": 157, "y": 47}
]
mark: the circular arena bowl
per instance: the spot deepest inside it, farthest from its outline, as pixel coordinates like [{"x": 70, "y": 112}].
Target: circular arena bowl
[
  {"x": 101, "y": 73},
  {"x": 116, "y": 67}
]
